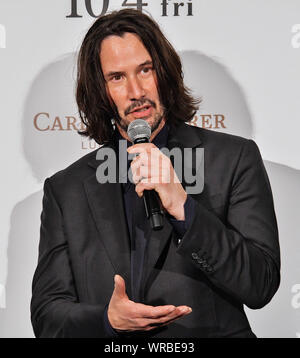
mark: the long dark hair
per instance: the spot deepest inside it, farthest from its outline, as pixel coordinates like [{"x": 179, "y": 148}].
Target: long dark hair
[{"x": 95, "y": 109}]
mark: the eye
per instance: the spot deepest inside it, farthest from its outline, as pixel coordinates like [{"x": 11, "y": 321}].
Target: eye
[
  {"x": 116, "y": 78},
  {"x": 146, "y": 70}
]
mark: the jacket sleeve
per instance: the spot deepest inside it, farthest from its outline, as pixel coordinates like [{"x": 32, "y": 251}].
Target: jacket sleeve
[
  {"x": 240, "y": 255},
  {"x": 55, "y": 310}
]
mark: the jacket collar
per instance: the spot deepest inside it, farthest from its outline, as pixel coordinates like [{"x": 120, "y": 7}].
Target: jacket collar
[{"x": 184, "y": 136}]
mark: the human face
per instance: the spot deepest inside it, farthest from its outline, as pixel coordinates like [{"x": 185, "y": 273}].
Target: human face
[{"x": 131, "y": 82}]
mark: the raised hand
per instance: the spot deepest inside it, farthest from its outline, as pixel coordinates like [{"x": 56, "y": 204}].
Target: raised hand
[{"x": 126, "y": 315}]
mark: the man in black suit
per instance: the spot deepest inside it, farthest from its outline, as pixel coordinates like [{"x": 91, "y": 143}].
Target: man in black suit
[{"x": 102, "y": 270}]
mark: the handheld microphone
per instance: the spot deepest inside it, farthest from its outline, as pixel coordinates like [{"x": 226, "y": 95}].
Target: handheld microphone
[{"x": 139, "y": 131}]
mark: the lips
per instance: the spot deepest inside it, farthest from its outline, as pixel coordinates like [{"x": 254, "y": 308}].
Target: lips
[
  {"x": 139, "y": 109},
  {"x": 143, "y": 111}
]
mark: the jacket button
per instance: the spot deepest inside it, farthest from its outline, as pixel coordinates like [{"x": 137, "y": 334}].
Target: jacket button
[
  {"x": 195, "y": 256},
  {"x": 201, "y": 261}
]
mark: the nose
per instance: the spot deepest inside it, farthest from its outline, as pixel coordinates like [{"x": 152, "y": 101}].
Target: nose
[{"x": 135, "y": 89}]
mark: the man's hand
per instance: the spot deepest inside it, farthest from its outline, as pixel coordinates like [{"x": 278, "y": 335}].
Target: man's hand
[
  {"x": 126, "y": 315},
  {"x": 151, "y": 169}
]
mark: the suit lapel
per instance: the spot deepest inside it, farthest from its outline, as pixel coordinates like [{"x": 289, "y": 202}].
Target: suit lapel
[
  {"x": 106, "y": 204},
  {"x": 156, "y": 242},
  {"x": 184, "y": 136}
]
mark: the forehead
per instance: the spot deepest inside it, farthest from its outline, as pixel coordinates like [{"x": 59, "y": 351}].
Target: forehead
[{"x": 119, "y": 52}]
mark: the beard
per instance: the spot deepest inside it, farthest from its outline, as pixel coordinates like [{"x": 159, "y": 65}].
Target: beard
[{"x": 124, "y": 123}]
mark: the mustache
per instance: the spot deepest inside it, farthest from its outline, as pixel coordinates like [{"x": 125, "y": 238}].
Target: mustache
[{"x": 139, "y": 103}]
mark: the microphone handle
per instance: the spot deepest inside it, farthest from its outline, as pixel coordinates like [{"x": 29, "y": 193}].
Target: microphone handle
[
  {"x": 152, "y": 202},
  {"x": 153, "y": 208}
]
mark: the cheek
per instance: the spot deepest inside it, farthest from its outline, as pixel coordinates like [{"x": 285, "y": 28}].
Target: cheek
[{"x": 117, "y": 96}]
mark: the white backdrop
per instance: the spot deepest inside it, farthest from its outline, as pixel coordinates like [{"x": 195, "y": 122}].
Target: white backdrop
[{"x": 241, "y": 57}]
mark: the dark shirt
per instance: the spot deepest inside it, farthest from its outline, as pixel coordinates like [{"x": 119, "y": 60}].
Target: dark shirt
[{"x": 138, "y": 224}]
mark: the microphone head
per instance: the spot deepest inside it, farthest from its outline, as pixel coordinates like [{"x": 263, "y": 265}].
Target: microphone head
[{"x": 139, "y": 129}]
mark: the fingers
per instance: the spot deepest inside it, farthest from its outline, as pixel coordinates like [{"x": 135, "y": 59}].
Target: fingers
[
  {"x": 158, "y": 315},
  {"x": 173, "y": 316},
  {"x": 120, "y": 288},
  {"x": 141, "y": 310},
  {"x": 152, "y": 166},
  {"x": 155, "y": 171},
  {"x": 153, "y": 312},
  {"x": 141, "y": 147},
  {"x": 149, "y": 156},
  {"x": 144, "y": 184},
  {"x": 124, "y": 314},
  {"x": 164, "y": 313},
  {"x": 147, "y": 324}
]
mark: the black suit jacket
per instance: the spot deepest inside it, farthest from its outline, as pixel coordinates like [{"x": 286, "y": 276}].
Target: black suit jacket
[{"x": 228, "y": 257}]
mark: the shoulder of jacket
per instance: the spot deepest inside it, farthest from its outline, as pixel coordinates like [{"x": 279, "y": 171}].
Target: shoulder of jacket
[
  {"x": 75, "y": 172},
  {"x": 212, "y": 137}
]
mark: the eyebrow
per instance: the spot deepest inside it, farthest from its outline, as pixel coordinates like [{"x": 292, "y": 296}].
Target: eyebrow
[
  {"x": 119, "y": 73},
  {"x": 148, "y": 62}
]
